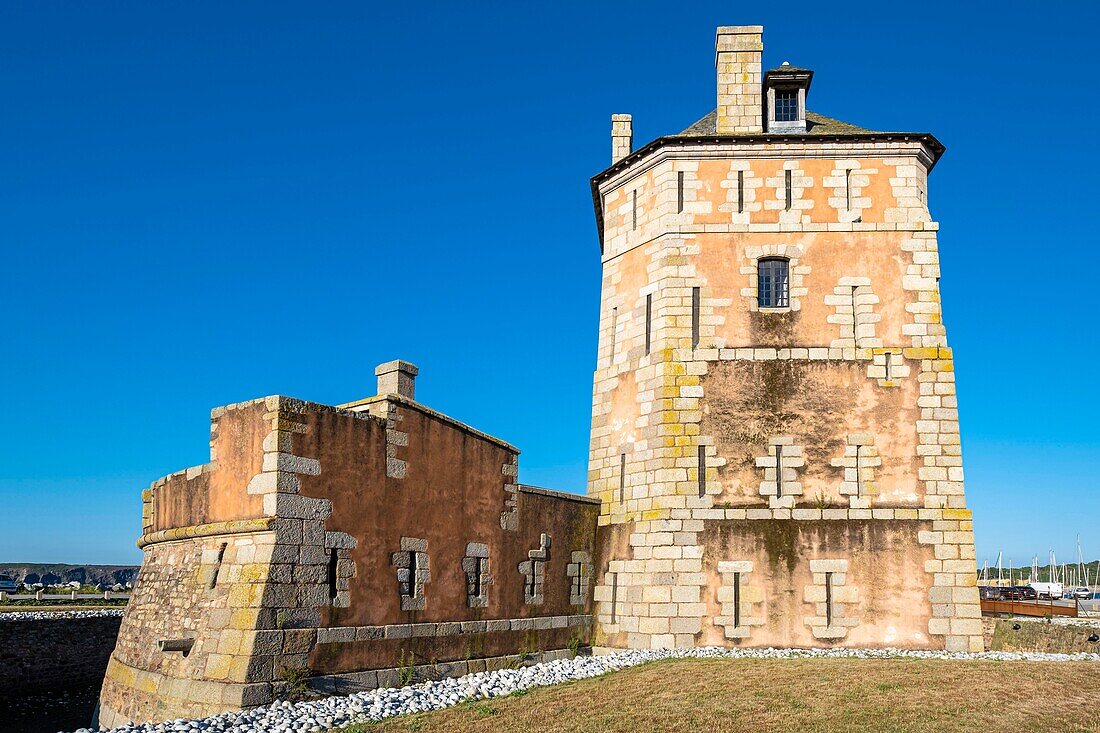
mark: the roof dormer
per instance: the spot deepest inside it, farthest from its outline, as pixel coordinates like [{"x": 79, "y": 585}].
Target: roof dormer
[{"x": 786, "y": 88}]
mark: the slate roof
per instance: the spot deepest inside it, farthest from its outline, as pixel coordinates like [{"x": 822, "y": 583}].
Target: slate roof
[
  {"x": 815, "y": 125},
  {"x": 788, "y": 69}
]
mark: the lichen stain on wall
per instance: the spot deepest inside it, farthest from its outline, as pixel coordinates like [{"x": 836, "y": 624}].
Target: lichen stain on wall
[
  {"x": 773, "y": 329},
  {"x": 818, "y": 402},
  {"x": 885, "y": 567}
]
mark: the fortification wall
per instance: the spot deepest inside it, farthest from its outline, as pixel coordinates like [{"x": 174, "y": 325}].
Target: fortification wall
[
  {"x": 1034, "y": 635},
  {"x": 339, "y": 545},
  {"x": 215, "y": 491},
  {"x": 58, "y": 654},
  {"x": 188, "y": 639},
  {"x": 430, "y": 486},
  {"x": 765, "y": 583},
  {"x": 457, "y": 628},
  {"x": 204, "y": 592},
  {"x": 820, "y": 403}
]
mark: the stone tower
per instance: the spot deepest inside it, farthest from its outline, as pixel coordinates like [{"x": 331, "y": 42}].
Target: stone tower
[{"x": 775, "y": 437}]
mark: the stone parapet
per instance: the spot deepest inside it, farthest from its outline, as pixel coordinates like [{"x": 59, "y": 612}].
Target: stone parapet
[
  {"x": 237, "y": 526},
  {"x": 44, "y": 656}
]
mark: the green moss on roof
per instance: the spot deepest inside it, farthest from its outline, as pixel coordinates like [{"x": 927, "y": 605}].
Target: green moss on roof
[
  {"x": 815, "y": 125},
  {"x": 788, "y": 69}
]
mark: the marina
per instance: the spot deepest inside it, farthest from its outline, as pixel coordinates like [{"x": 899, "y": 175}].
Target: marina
[{"x": 1050, "y": 590}]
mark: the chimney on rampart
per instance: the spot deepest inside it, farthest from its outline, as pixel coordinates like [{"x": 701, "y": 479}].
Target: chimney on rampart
[
  {"x": 738, "y": 50},
  {"x": 622, "y": 137},
  {"x": 396, "y": 377}
]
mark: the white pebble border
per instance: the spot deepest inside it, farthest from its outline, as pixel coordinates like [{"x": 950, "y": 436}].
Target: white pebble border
[
  {"x": 35, "y": 615},
  {"x": 336, "y": 712},
  {"x": 1064, "y": 621}
]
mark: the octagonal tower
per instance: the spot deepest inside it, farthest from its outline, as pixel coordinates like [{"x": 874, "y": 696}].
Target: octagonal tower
[{"x": 775, "y": 437}]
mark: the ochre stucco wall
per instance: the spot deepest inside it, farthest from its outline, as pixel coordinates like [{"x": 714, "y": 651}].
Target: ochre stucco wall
[
  {"x": 238, "y": 554},
  {"x": 822, "y": 403},
  {"x": 451, "y": 495},
  {"x": 216, "y": 492},
  {"x": 728, "y": 270},
  {"x": 886, "y": 569}
]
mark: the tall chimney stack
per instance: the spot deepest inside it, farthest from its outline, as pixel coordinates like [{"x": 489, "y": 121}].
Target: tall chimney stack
[
  {"x": 737, "y": 58},
  {"x": 396, "y": 377},
  {"x": 622, "y": 137}
]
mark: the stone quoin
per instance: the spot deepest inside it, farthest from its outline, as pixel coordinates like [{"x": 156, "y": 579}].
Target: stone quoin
[{"x": 774, "y": 458}]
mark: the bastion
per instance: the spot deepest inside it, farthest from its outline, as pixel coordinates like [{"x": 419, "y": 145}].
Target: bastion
[{"x": 340, "y": 549}]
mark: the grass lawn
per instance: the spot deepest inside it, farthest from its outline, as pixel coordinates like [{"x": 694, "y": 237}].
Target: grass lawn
[
  {"x": 781, "y": 696},
  {"x": 32, "y": 607}
]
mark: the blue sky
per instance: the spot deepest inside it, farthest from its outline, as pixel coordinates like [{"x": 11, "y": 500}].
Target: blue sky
[{"x": 207, "y": 202}]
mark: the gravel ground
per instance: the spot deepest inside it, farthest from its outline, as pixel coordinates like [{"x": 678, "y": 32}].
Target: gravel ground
[
  {"x": 31, "y": 615},
  {"x": 335, "y": 712},
  {"x": 1063, "y": 621}
]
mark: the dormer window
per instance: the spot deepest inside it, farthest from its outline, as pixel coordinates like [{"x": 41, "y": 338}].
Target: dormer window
[
  {"x": 786, "y": 88},
  {"x": 786, "y": 105}
]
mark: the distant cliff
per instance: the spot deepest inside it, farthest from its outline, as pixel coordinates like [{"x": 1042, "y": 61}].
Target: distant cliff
[{"x": 54, "y": 573}]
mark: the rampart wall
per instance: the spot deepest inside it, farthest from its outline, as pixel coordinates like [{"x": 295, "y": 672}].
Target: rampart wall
[
  {"x": 43, "y": 655},
  {"x": 343, "y": 548}
]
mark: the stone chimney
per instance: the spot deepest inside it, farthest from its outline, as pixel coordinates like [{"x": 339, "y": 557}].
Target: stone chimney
[
  {"x": 737, "y": 57},
  {"x": 622, "y": 137},
  {"x": 396, "y": 377}
]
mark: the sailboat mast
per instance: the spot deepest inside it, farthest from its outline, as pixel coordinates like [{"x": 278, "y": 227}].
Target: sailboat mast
[{"x": 1083, "y": 578}]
